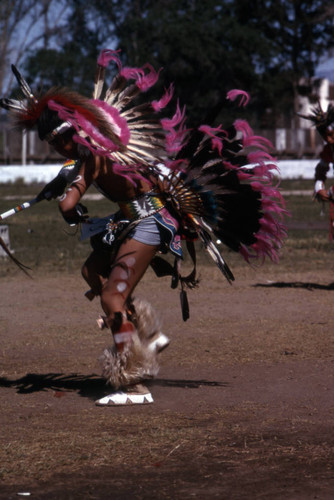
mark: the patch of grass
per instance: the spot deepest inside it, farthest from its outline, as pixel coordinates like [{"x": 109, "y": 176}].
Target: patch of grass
[
  {"x": 43, "y": 241},
  {"x": 297, "y": 184}
]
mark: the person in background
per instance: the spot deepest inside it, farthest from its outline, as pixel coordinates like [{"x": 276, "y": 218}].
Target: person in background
[{"x": 324, "y": 123}]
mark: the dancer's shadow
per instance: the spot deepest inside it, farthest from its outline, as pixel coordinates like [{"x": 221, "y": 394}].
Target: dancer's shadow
[
  {"x": 85, "y": 385},
  {"x": 187, "y": 384},
  {"x": 88, "y": 386},
  {"x": 296, "y": 284}
]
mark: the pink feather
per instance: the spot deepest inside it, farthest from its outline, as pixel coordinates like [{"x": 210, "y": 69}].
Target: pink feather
[
  {"x": 258, "y": 156},
  {"x": 233, "y": 94},
  {"x": 115, "y": 118},
  {"x": 175, "y": 136},
  {"x": 165, "y": 99},
  {"x": 257, "y": 141},
  {"x": 243, "y": 126},
  {"x": 217, "y": 142},
  {"x": 108, "y": 55},
  {"x": 147, "y": 81},
  {"x": 128, "y": 173}
]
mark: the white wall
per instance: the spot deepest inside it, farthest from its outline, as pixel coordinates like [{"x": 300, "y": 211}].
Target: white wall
[{"x": 289, "y": 169}]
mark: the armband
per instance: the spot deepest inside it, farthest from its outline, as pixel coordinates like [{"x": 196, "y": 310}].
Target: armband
[{"x": 319, "y": 186}]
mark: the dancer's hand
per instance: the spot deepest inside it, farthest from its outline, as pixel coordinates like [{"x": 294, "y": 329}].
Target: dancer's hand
[{"x": 77, "y": 215}]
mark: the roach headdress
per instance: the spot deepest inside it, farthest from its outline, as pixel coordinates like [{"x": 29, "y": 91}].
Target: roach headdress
[{"x": 322, "y": 120}]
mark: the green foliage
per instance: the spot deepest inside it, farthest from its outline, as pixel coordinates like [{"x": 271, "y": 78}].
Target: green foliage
[
  {"x": 200, "y": 46},
  {"x": 73, "y": 62},
  {"x": 205, "y": 49}
]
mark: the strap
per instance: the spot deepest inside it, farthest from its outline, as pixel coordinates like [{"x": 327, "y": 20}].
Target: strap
[
  {"x": 11, "y": 256},
  {"x": 164, "y": 268}
]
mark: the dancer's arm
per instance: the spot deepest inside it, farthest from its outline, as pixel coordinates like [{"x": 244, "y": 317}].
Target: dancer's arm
[
  {"x": 57, "y": 186},
  {"x": 323, "y": 194},
  {"x": 71, "y": 208}
]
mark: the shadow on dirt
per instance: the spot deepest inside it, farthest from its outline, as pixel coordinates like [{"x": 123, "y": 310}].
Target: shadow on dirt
[
  {"x": 87, "y": 385},
  {"x": 296, "y": 284},
  {"x": 187, "y": 384}
]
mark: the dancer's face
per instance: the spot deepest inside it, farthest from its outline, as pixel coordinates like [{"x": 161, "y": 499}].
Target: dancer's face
[
  {"x": 65, "y": 146},
  {"x": 330, "y": 136}
]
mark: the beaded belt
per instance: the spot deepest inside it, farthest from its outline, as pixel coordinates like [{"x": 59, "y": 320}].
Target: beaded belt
[{"x": 141, "y": 207}]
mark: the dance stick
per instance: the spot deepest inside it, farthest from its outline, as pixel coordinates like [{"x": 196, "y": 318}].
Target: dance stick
[{"x": 19, "y": 208}]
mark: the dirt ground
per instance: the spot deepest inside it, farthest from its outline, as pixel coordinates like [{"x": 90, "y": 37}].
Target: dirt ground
[{"x": 243, "y": 405}]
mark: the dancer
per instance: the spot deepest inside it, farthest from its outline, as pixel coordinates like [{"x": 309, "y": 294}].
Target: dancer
[
  {"x": 320, "y": 177},
  {"x": 324, "y": 123},
  {"x": 219, "y": 186}
]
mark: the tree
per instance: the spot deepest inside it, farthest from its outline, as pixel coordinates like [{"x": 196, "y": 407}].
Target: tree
[
  {"x": 207, "y": 48},
  {"x": 298, "y": 33},
  {"x": 25, "y": 24},
  {"x": 72, "y": 62},
  {"x": 200, "y": 46}
]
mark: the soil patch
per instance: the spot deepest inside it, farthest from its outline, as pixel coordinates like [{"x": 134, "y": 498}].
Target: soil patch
[{"x": 243, "y": 405}]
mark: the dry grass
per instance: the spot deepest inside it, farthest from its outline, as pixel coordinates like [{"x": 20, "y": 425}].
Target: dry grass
[
  {"x": 193, "y": 445},
  {"x": 42, "y": 240}
]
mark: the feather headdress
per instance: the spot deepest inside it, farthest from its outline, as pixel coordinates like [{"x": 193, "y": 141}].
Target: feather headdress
[
  {"x": 113, "y": 125},
  {"x": 221, "y": 181},
  {"x": 227, "y": 187}
]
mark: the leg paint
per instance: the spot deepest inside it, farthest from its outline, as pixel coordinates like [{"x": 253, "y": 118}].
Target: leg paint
[
  {"x": 132, "y": 359},
  {"x": 122, "y": 330},
  {"x": 115, "y": 295},
  {"x": 131, "y": 363}
]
